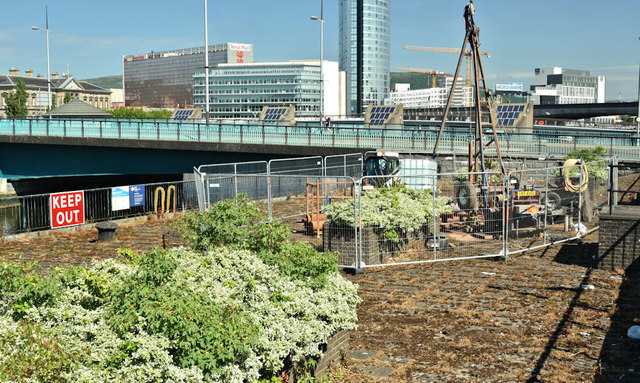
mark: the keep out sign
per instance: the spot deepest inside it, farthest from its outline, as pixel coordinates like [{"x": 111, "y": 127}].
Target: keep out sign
[{"x": 67, "y": 209}]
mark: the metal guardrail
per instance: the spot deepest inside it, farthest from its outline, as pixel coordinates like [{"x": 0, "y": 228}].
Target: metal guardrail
[
  {"x": 32, "y": 213},
  {"x": 347, "y": 136},
  {"x": 618, "y": 196}
]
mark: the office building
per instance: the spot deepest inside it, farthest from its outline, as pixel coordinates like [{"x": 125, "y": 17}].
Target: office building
[
  {"x": 434, "y": 97},
  {"x": 241, "y": 90},
  {"x": 557, "y": 85},
  {"x": 165, "y": 79},
  {"x": 38, "y": 93},
  {"x": 365, "y": 51}
]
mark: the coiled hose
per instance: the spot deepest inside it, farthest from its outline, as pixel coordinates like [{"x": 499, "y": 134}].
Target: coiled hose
[{"x": 566, "y": 172}]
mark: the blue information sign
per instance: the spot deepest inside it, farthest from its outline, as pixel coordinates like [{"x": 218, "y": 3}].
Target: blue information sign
[{"x": 136, "y": 195}]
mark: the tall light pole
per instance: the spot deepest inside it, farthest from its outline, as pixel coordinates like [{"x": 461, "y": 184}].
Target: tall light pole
[
  {"x": 206, "y": 65},
  {"x": 321, "y": 20},
  {"x": 46, "y": 29},
  {"x": 638, "y": 118}
]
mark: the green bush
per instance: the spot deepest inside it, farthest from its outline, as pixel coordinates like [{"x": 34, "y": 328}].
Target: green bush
[
  {"x": 238, "y": 223},
  {"x": 394, "y": 210},
  {"x": 597, "y": 166},
  {"x": 46, "y": 357},
  {"x": 181, "y": 315},
  {"x": 203, "y": 333}
]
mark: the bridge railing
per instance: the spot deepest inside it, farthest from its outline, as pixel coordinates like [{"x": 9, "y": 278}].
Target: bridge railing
[{"x": 350, "y": 136}]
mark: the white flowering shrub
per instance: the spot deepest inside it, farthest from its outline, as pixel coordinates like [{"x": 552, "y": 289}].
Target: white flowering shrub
[
  {"x": 391, "y": 210},
  {"x": 176, "y": 316}
]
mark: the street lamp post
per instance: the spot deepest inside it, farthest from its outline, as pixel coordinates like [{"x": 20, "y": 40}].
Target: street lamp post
[
  {"x": 638, "y": 117},
  {"x": 321, "y": 20},
  {"x": 46, "y": 29},
  {"x": 206, "y": 65}
]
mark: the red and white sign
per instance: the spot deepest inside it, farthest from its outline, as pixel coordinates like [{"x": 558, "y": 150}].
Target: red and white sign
[
  {"x": 240, "y": 47},
  {"x": 67, "y": 209}
]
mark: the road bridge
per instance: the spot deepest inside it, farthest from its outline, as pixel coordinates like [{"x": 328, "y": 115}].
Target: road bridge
[
  {"x": 564, "y": 111},
  {"x": 40, "y": 147}
]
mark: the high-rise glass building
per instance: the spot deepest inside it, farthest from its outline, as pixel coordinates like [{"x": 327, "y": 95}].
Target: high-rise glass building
[{"x": 365, "y": 51}]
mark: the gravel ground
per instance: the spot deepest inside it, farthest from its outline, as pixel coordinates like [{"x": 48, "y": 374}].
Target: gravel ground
[{"x": 544, "y": 316}]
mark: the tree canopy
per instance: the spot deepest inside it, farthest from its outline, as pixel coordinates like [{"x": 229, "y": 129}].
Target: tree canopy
[
  {"x": 17, "y": 102},
  {"x": 138, "y": 113}
]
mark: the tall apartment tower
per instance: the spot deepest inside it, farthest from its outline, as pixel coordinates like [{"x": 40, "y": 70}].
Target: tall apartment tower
[{"x": 365, "y": 51}]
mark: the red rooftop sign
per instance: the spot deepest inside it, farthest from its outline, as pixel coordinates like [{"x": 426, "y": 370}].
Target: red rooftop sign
[{"x": 67, "y": 209}]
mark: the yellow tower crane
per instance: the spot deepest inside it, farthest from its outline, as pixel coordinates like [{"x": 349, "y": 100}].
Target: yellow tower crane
[
  {"x": 432, "y": 72},
  {"x": 467, "y": 53}
]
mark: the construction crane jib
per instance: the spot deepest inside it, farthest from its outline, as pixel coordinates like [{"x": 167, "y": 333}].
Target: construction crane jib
[{"x": 466, "y": 53}]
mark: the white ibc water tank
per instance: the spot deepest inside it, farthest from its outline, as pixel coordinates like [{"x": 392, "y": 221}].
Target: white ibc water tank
[{"x": 418, "y": 173}]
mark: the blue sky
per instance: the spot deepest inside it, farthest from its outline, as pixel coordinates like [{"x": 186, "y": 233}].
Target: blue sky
[{"x": 90, "y": 37}]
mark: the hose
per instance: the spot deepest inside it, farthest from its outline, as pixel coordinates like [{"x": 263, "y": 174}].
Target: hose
[{"x": 566, "y": 170}]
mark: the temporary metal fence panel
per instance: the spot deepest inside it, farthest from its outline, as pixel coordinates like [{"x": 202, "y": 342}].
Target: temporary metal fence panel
[
  {"x": 300, "y": 202},
  {"x": 553, "y": 204},
  {"x": 461, "y": 220},
  {"x": 347, "y": 165},
  {"x": 32, "y": 213},
  {"x": 302, "y": 166}
]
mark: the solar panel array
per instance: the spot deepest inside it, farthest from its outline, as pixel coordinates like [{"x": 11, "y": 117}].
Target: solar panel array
[
  {"x": 183, "y": 114},
  {"x": 509, "y": 114},
  {"x": 274, "y": 114},
  {"x": 380, "y": 114}
]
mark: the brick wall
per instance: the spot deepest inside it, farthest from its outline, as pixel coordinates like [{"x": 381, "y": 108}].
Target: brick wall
[
  {"x": 335, "y": 348},
  {"x": 332, "y": 354},
  {"x": 619, "y": 245}
]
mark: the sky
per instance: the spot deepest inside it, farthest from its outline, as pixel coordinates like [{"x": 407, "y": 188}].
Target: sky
[{"x": 88, "y": 38}]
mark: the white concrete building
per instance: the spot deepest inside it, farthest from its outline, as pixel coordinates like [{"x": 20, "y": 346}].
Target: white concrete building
[
  {"x": 433, "y": 97},
  {"x": 241, "y": 90},
  {"x": 557, "y": 85}
]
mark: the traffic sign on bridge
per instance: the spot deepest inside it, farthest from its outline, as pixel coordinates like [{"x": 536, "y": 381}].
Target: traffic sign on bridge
[{"x": 67, "y": 209}]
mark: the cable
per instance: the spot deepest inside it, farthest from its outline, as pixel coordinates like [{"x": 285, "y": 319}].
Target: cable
[{"x": 566, "y": 170}]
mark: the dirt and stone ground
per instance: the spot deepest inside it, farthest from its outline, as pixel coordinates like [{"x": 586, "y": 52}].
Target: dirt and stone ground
[{"x": 544, "y": 316}]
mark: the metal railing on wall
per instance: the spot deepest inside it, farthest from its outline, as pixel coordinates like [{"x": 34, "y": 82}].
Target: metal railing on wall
[{"x": 32, "y": 213}]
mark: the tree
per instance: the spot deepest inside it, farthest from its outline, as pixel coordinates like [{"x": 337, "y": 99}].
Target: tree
[
  {"x": 17, "y": 102},
  {"x": 54, "y": 101},
  {"x": 67, "y": 98}
]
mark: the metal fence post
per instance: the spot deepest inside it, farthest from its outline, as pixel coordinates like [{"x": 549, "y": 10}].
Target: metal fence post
[
  {"x": 119, "y": 130},
  {"x": 82, "y": 128},
  {"x": 235, "y": 180},
  {"x": 505, "y": 214},
  {"x": 100, "y": 129},
  {"x": 613, "y": 181},
  {"x": 580, "y": 197},
  {"x": 47, "y": 127},
  {"x": 138, "y": 129},
  {"x": 434, "y": 217},
  {"x": 546, "y": 206}
]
